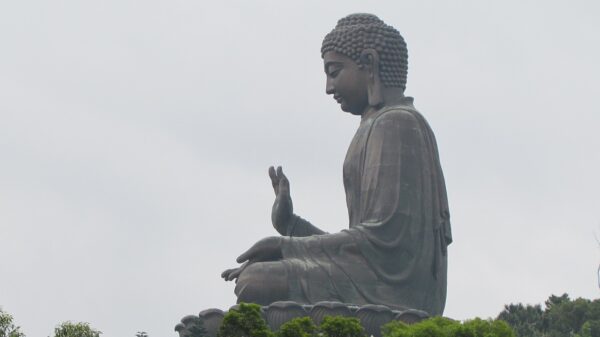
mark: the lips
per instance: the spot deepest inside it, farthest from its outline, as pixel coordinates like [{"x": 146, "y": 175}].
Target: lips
[{"x": 338, "y": 99}]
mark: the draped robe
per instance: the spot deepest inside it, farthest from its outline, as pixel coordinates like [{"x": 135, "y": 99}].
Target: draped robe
[{"x": 394, "y": 252}]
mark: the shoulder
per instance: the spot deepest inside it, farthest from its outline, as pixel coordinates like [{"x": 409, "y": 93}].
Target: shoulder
[{"x": 397, "y": 116}]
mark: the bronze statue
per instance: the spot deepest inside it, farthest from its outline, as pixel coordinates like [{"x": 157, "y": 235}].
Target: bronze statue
[{"x": 395, "y": 250}]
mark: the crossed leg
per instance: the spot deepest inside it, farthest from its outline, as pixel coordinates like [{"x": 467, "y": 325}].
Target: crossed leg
[{"x": 263, "y": 283}]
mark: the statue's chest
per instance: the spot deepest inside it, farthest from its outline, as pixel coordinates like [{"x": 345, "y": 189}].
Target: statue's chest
[{"x": 354, "y": 162}]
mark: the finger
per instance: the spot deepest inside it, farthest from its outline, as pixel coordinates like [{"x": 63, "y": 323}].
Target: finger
[
  {"x": 246, "y": 256},
  {"x": 236, "y": 273},
  {"x": 226, "y": 273},
  {"x": 280, "y": 176},
  {"x": 228, "y": 276},
  {"x": 274, "y": 179},
  {"x": 284, "y": 184}
]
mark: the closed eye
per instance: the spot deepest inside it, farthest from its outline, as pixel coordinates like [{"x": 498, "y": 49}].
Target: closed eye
[
  {"x": 333, "y": 69},
  {"x": 334, "y": 73}
]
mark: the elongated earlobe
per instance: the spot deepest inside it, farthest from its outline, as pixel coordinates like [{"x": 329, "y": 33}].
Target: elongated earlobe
[{"x": 370, "y": 59}]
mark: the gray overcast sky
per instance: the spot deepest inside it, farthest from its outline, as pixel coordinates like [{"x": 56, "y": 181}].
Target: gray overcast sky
[{"x": 135, "y": 138}]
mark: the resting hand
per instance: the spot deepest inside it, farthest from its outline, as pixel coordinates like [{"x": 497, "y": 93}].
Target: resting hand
[
  {"x": 233, "y": 273},
  {"x": 267, "y": 249},
  {"x": 283, "y": 209}
]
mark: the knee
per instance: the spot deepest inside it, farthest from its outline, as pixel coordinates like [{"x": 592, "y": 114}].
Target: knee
[
  {"x": 249, "y": 285},
  {"x": 261, "y": 283},
  {"x": 249, "y": 276}
]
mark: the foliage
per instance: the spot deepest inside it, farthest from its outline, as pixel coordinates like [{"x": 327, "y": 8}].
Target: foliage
[
  {"x": 395, "y": 329},
  {"x": 298, "y": 327},
  {"x": 590, "y": 329},
  {"x": 525, "y": 320},
  {"x": 69, "y": 329},
  {"x": 141, "y": 334},
  {"x": 335, "y": 326},
  {"x": 560, "y": 317},
  {"x": 339, "y": 326},
  {"x": 444, "y": 327},
  {"x": 7, "y": 327},
  {"x": 197, "y": 329},
  {"x": 424, "y": 329},
  {"x": 246, "y": 321},
  {"x": 488, "y": 328}
]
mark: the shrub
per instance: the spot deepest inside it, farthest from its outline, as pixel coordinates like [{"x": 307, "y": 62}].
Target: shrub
[
  {"x": 68, "y": 329},
  {"x": 7, "y": 327},
  {"x": 339, "y": 326},
  {"x": 246, "y": 321},
  {"x": 298, "y": 327},
  {"x": 444, "y": 327}
]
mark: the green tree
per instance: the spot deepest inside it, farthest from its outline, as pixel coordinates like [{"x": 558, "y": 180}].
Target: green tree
[
  {"x": 246, "y": 321},
  {"x": 395, "y": 329},
  {"x": 593, "y": 310},
  {"x": 487, "y": 328},
  {"x": 561, "y": 317},
  {"x": 437, "y": 326},
  {"x": 339, "y": 326},
  {"x": 565, "y": 317},
  {"x": 590, "y": 329},
  {"x": 430, "y": 328},
  {"x": 525, "y": 320},
  {"x": 7, "y": 326},
  {"x": 443, "y": 327},
  {"x": 298, "y": 327},
  {"x": 69, "y": 329}
]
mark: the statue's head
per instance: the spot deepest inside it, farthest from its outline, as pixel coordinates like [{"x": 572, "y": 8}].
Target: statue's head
[{"x": 363, "y": 55}]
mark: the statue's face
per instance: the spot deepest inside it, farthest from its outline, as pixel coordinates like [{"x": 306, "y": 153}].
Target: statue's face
[{"x": 347, "y": 82}]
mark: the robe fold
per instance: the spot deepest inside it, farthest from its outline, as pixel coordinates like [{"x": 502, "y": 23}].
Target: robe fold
[{"x": 394, "y": 252}]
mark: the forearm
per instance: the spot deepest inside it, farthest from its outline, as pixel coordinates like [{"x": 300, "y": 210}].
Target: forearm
[
  {"x": 301, "y": 227},
  {"x": 319, "y": 246}
]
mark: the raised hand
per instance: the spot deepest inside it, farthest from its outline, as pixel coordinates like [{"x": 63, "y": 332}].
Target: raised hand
[{"x": 283, "y": 209}]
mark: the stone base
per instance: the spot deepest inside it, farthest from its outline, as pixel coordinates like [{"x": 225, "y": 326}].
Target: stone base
[{"x": 371, "y": 316}]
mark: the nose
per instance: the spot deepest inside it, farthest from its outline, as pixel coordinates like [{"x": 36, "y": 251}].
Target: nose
[{"x": 329, "y": 88}]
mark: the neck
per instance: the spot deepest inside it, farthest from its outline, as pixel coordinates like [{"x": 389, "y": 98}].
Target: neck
[{"x": 391, "y": 96}]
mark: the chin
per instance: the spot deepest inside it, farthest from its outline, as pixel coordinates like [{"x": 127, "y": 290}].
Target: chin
[{"x": 350, "y": 110}]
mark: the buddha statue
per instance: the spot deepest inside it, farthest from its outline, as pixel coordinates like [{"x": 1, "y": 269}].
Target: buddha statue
[{"x": 394, "y": 251}]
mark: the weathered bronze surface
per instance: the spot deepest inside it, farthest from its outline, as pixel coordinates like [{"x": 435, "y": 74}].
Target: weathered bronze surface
[
  {"x": 395, "y": 250},
  {"x": 371, "y": 317}
]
